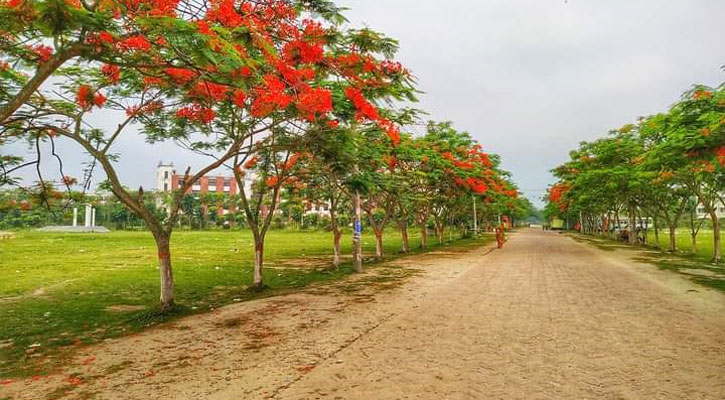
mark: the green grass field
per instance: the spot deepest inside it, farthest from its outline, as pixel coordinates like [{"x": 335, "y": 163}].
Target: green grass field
[
  {"x": 697, "y": 267},
  {"x": 684, "y": 241},
  {"x": 60, "y": 289}
]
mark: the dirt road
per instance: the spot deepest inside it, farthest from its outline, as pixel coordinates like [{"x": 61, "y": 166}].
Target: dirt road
[{"x": 544, "y": 318}]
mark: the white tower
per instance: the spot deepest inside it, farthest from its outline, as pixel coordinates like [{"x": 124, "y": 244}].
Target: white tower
[{"x": 164, "y": 172}]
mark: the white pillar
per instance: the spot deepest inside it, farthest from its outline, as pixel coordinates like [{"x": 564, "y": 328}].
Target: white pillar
[
  {"x": 75, "y": 216},
  {"x": 93, "y": 216},
  {"x": 88, "y": 216}
]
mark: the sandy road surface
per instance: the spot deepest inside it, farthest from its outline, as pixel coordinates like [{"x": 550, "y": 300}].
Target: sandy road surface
[{"x": 545, "y": 318}]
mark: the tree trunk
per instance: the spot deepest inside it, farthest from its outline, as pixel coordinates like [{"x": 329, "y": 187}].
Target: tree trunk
[
  {"x": 716, "y": 235},
  {"x": 167, "y": 277},
  {"x": 357, "y": 232},
  {"x": 424, "y": 236},
  {"x": 404, "y": 235},
  {"x": 694, "y": 242},
  {"x": 632, "y": 225},
  {"x": 378, "y": 244},
  {"x": 258, "y": 262},
  {"x": 673, "y": 239},
  {"x": 657, "y": 233},
  {"x": 337, "y": 235},
  {"x": 439, "y": 229}
]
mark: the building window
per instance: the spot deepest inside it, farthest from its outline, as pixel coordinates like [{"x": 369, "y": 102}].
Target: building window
[
  {"x": 166, "y": 174},
  {"x": 166, "y": 187}
]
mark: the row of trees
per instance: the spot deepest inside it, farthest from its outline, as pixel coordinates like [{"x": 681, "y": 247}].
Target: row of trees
[
  {"x": 280, "y": 89},
  {"x": 666, "y": 166}
]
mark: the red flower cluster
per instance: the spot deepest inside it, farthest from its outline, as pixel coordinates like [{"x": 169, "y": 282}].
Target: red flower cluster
[
  {"x": 364, "y": 108},
  {"x": 14, "y": 3},
  {"x": 209, "y": 91},
  {"x": 224, "y": 12},
  {"x": 556, "y": 193},
  {"x": 239, "y": 98},
  {"x": 720, "y": 153},
  {"x": 134, "y": 43},
  {"x": 391, "y": 161},
  {"x": 270, "y": 97},
  {"x": 112, "y": 72},
  {"x": 196, "y": 113},
  {"x": 289, "y": 164},
  {"x": 42, "y": 52},
  {"x": 308, "y": 46},
  {"x": 478, "y": 186},
  {"x": 144, "y": 109},
  {"x": 702, "y": 94},
  {"x": 272, "y": 181},
  {"x": 86, "y": 98},
  {"x": 180, "y": 76},
  {"x": 251, "y": 163},
  {"x": 314, "y": 101}
]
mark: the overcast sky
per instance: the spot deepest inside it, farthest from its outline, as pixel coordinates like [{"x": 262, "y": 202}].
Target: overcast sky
[{"x": 529, "y": 79}]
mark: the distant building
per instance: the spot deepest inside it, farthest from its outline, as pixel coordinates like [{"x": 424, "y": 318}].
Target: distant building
[
  {"x": 168, "y": 180},
  {"x": 321, "y": 208},
  {"x": 702, "y": 213}
]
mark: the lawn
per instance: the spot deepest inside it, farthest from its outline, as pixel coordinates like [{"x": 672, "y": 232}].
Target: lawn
[
  {"x": 61, "y": 290},
  {"x": 684, "y": 241},
  {"x": 696, "y": 267}
]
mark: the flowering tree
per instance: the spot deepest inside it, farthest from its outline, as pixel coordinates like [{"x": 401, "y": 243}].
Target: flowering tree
[
  {"x": 212, "y": 75},
  {"x": 656, "y": 166}
]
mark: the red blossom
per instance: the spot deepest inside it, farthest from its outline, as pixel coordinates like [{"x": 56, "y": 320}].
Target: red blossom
[
  {"x": 720, "y": 153},
  {"x": 134, "y": 43},
  {"x": 251, "y": 163},
  {"x": 239, "y": 98},
  {"x": 42, "y": 52},
  {"x": 270, "y": 97},
  {"x": 702, "y": 94},
  {"x": 84, "y": 97},
  {"x": 364, "y": 108},
  {"x": 224, "y": 12},
  {"x": 315, "y": 101},
  {"x": 209, "y": 91},
  {"x": 196, "y": 113},
  {"x": 272, "y": 181},
  {"x": 99, "y": 100},
  {"x": 112, "y": 72},
  {"x": 106, "y": 37},
  {"x": 180, "y": 76}
]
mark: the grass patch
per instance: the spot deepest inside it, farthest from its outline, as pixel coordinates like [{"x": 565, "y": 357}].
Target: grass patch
[
  {"x": 683, "y": 239},
  {"x": 62, "y": 290},
  {"x": 697, "y": 267}
]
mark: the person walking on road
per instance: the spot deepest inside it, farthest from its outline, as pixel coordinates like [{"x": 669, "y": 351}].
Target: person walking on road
[{"x": 500, "y": 236}]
